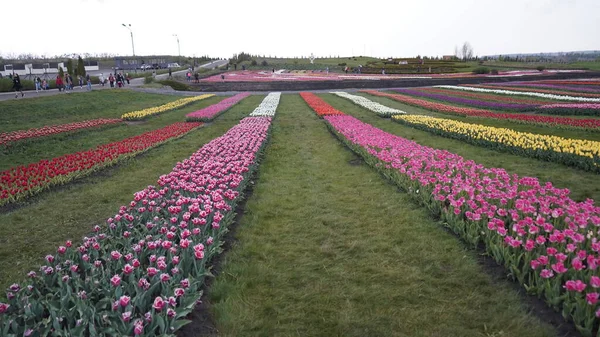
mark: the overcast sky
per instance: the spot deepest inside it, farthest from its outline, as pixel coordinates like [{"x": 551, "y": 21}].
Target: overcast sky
[{"x": 323, "y": 27}]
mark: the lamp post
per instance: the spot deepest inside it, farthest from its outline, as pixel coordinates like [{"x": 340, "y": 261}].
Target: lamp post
[
  {"x": 178, "y": 47},
  {"x": 131, "y": 32}
]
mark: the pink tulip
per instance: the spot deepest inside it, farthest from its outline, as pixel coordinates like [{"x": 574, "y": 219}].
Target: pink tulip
[
  {"x": 592, "y": 298},
  {"x": 115, "y": 280},
  {"x": 576, "y": 285},
  {"x": 158, "y": 304}
]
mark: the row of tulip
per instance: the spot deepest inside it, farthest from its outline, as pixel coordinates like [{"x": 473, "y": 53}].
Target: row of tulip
[
  {"x": 19, "y": 135},
  {"x": 547, "y": 241},
  {"x": 589, "y": 109},
  {"x": 142, "y": 114},
  {"x": 524, "y": 92},
  {"x": 583, "y": 81},
  {"x": 584, "y": 154},
  {"x": 141, "y": 274},
  {"x": 20, "y": 182},
  {"x": 565, "y": 122},
  {"x": 379, "y": 109},
  {"x": 469, "y": 101},
  {"x": 319, "y": 105},
  {"x": 554, "y": 92},
  {"x": 560, "y": 87},
  {"x": 268, "y": 106},
  {"x": 486, "y": 96},
  {"x": 211, "y": 112}
]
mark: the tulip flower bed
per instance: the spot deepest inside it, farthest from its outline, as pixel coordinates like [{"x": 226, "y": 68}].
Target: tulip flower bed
[
  {"x": 141, "y": 273},
  {"x": 14, "y": 136},
  {"x": 584, "y": 154},
  {"x": 560, "y": 96},
  {"x": 319, "y": 105},
  {"x": 575, "y": 89},
  {"x": 546, "y": 240},
  {"x": 564, "y": 122},
  {"x": 21, "y": 182},
  {"x": 589, "y": 109},
  {"x": 485, "y": 97},
  {"x": 268, "y": 106},
  {"x": 142, "y": 114},
  {"x": 366, "y": 103},
  {"x": 470, "y": 102},
  {"x": 211, "y": 112}
]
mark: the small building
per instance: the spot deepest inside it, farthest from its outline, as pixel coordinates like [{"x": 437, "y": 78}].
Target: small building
[{"x": 448, "y": 57}]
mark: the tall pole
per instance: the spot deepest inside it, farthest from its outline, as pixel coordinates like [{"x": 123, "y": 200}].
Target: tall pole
[
  {"x": 130, "y": 32},
  {"x": 178, "y": 47}
]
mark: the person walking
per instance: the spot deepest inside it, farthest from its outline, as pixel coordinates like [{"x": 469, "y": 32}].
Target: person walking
[
  {"x": 17, "y": 85},
  {"x": 89, "y": 82},
  {"x": 101, "y": 79},
  {"x": 59, "y": 83},
  {"x": 80, "y": 79},
  {"x": 44, "y": 84},
  {"x": 127, "y": 78},
  {"x": 37, "y": 83},
  {"x": 111, "y": 80}
]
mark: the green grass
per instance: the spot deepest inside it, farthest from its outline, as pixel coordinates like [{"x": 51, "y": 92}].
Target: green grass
[
  {"x": 74, "y": 107},
  {"x": 328, "y": 248},
  {"x": 50, "y": 147},
  {"x": 581, "y": 183},
  {"x": 28, "y": 233},
  {"x": 500, "y": 123}
]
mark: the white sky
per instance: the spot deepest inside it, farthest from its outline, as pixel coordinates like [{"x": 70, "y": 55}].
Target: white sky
[{"x": 221, "y": 28}]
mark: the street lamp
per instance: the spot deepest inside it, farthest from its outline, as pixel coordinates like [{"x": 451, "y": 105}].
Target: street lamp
[
  {"x": 178, "y": 48},
  {"x": 131, "y": 32}
]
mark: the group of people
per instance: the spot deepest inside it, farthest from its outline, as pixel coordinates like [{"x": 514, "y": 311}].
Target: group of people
[
  {"x": 66, "y": 84},
  {"x": 117, "y": 80}
]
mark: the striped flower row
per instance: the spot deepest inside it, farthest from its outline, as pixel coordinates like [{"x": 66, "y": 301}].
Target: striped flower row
[
  {"x": 142, "y": 273},
  {"x": 535, "y": 90},
  {"x": 20, "y": 182},
  {"x": 469, "y": 101},
  {"x": 548, "y": 242},
  {"x": 590, "y": 109},
  {"x": 14, "y": 136},
  {"x": 211, "y": 112},
  {"x": 584, "y": 154},
  {"x": 522, "y": 93},
  {"x": 319, "y": 105},
  {"x": 268, "y": 106},
  {"x": 379, "y": 109},
  {"x": 142, "y": 114},
  {"x": 575, "y": 123}
]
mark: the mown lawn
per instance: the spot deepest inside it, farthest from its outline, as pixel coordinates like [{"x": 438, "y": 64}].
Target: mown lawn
[
  {"x": 327, "y": 247},
  {"x": 40, "y": 225},
  {"x": 23, "y": 153},
  {"x": 29, "y": 113},
  {"x": 581, "y": 183}
]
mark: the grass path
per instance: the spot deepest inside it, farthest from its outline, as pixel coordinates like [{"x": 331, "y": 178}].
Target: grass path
[
  {"x": 328, "y": 248},
  {"x": 47, "y": 221},
  {"x": 581, "y": 183}
]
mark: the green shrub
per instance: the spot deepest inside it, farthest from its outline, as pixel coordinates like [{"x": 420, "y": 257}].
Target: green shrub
[
  {"x": 264, "y": 63},
  {"x": 148, "y": 79},
  {"x": 540, "y": 68},
  {"x": 481, "y": 70},
  {"x": 253, "y": 63},
  {"x": 176, "y": 85},
  {"x": 342, "y": 64}
]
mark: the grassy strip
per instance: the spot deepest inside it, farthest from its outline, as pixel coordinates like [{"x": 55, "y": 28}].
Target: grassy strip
[
  {"x": 327, "y": 248},
  {"x": 582, "y": 154},
  {"x": 30, "y": 232},
  {"x": 582, "y": 184},
  {"x": 76, "y": 107}
]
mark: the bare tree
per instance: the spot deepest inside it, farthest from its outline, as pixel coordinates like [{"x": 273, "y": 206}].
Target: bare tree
[
  {"x": 467, "y": 51},
  {"x": 457, "y": 52}
]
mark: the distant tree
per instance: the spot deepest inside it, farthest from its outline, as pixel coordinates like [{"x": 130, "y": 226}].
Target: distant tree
[
  {"x": 61, "y": 72},
  {"x": 70, "y": 69},
  {"x": 466, "y": 51},
  {"x": 80, "y": 67}
]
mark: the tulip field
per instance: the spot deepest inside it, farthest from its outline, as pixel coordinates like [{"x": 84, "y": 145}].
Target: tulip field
[{"x": 435, "y": 211}]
